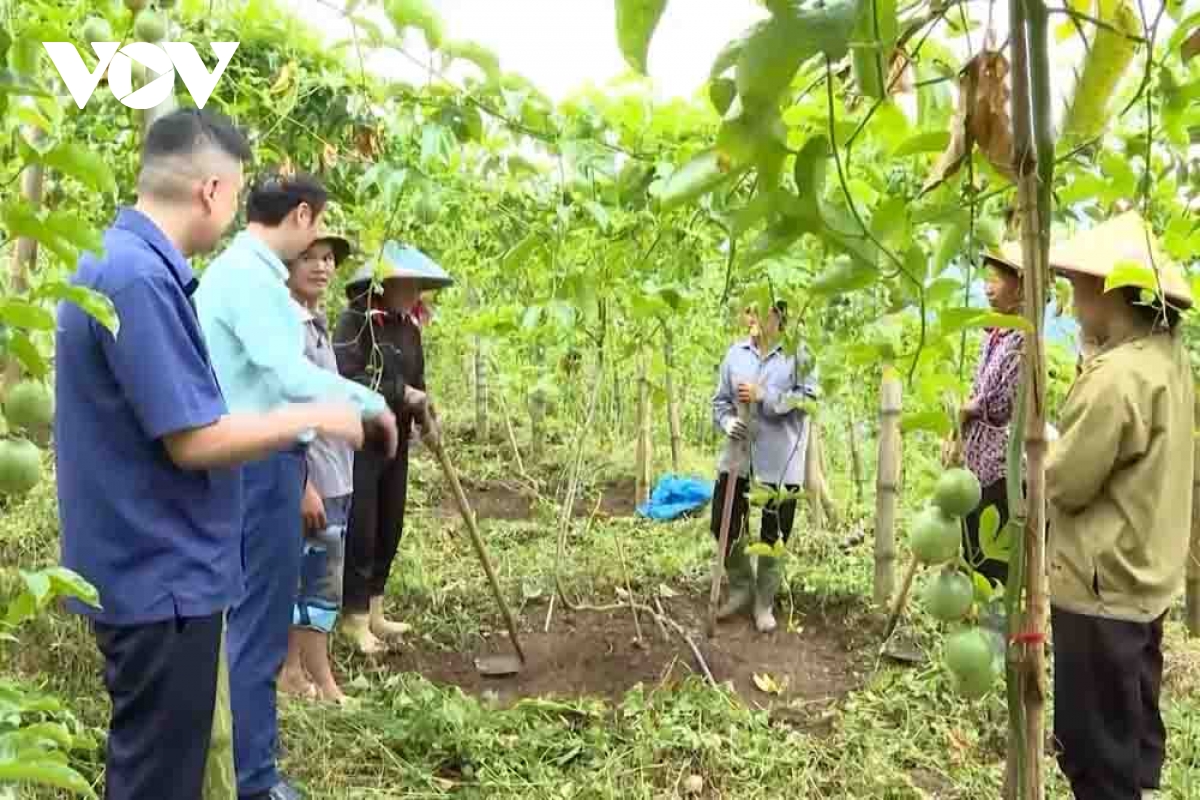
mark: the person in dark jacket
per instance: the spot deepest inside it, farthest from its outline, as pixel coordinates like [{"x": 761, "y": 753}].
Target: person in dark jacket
[{"x": 378, "y": 343}]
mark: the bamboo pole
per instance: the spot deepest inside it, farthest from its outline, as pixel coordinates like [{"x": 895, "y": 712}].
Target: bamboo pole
[
  {"x": 887, "y": 485},
  {"x": 1034, "y": 162},
  {"x": 672, "y": 397},
  {"x": 856, "y": 465},
  {"x": 645, "y": 455},
  {"x": 25, "y": 253},
  {"x": 1193, "y": 568}
]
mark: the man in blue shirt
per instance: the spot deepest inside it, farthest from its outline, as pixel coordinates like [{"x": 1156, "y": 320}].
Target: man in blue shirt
[
  {"x": 149, "y": 492},
  {"x": 256, "y": 337}
]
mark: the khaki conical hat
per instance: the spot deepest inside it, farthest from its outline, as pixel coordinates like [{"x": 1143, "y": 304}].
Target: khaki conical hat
[
  {"x": 1122, "y": 239},
  {"x": 1009, "y": 255}
]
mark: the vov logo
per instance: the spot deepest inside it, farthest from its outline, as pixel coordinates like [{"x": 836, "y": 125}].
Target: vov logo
[{"x": 178, "y": 57}]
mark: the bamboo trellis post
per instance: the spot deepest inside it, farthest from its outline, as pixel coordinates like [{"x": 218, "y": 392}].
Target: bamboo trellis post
[
  {"x": 887, "y": 485},
  {"x": 644, "y": 445},
  {"x": 1193, "y": 567},
  {"x": 821, "y": 506},
  {"x": 672, "y": 397},
  {"x": 25, "y": 253}
]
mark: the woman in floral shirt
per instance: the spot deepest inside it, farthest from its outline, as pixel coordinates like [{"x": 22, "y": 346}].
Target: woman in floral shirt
[{"x": 985, "y": 418}]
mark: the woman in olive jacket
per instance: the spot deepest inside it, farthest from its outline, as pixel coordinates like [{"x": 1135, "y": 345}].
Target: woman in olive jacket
[
  {"x": 1119, "y": 487},
  {"x": 378, "y": 343}
]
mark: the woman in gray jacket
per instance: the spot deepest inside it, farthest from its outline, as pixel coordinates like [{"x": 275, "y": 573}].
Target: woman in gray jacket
[{"x": 769, "y": 447}]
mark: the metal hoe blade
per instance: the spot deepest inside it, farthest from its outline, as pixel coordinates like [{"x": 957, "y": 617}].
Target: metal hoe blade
[{"x": 498, "y": 666}]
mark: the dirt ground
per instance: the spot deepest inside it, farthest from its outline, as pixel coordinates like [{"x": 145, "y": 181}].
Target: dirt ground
[
  {"x": 594, "y": 653},
  {"x": 504, "y": 501}
]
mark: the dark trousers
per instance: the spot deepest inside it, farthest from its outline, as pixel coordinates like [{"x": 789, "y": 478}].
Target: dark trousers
[
  {"x": 1109, "y": 731},
  {"x": 777, "y": 518},
  {"x": 376, "y": 525},
  {"x": 162, "y": 678},
  {"x": 272, "y": 541},
  {"x": 995, "y": 494}
]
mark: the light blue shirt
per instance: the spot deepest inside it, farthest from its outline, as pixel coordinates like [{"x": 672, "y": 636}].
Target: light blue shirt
[
  {"x": 778, "y": 431},
  {"x": 255, "y": 336}
]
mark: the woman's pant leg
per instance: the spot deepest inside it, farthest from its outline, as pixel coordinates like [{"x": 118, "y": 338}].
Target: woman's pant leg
[
  {"x": 393, "y": 501},
  {"x": 362, "y": 534},
  {"x": 994, "y": 494}
]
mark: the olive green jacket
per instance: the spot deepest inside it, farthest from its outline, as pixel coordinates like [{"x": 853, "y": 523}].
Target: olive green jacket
[{"x": 1119, "y": 482}]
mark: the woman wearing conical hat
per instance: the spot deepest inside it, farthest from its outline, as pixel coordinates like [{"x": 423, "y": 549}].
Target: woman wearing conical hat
[
  {"x": 986, "y": 416},
  {"x": 1119, "y": 488},
  {"x": 378, "y": 343}
]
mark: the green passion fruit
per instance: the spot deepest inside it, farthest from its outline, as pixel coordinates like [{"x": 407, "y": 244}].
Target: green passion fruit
[
  {"x": 29, "y": 405},
  {"x": 957, "y": 492},
  {"x": 949, "y": 595},
  {"x": 20, "y": 466},
  {"x": 970, "y": 658},
  {"x": 97, "y": 29},
  {"x": 150, "y": 26},
  {"x": 936, "y": 536}
]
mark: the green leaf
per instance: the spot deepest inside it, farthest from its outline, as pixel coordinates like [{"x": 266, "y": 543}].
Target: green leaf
[
  {"x": 72, "y": 228},
  {"x": 95, "y": 304},
  {"x": 844, "y": 275},
  {"x": 83, "y": 164},
  {"x": 942, "y": 290},
  {"x": 20, "y": 345},
  {"x": 950, "y": 243},
  {"x": 599, "y": 214},
  {"x": 699, "y": 176},
  {"x": 46, "y": 772},
  {"x": 995, "y": 542},
  {"x": 938, "y": 422},
  {"x": 927, "y": 142},
  {"x": 636, "y": 22},
  {"x": 1085, "y": 186},
  {"x": 68, "y": 583},
  {"x": 22, "y": 314},
  {"x": 984, "y": 591},
  {"x": 1131, "y": 273},
  {"x": 721, "y": 93}
]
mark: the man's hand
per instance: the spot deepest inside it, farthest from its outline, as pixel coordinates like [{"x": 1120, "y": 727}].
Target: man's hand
[
  {"x": 735, "y": 429},
  {"x": 338, "y": 421},
  {"x": 749, "y": 392},
  {"x": 415, "y": 400},
  {"x": 312, "y": 509},
  {"x": 384, "y": 433}
]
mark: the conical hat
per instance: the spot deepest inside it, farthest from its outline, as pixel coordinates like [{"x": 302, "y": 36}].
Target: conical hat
[
  {"x": 1009, "y": 255},
  {"x": 1121, "y": 240},
  {"x": 402, "y": 262}
]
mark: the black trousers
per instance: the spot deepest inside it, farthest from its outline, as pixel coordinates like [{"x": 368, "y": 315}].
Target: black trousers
[
  {"x": 777, "y": 518},
  {"x": 162, "y": 678},
  {"x": 995, "y": 494},
  {"x": 376, "y": 524},
  {"x": 1109, "y": 732}
]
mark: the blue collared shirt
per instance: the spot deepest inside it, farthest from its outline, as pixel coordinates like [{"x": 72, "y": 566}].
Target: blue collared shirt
[
  {"x": 778, "y": 434},
  {"x": 157, "y": 541},
  {"x": 256, "y": 336}
]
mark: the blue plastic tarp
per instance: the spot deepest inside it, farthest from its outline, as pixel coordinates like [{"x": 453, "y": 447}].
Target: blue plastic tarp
[{"x": 675, "y": 496}]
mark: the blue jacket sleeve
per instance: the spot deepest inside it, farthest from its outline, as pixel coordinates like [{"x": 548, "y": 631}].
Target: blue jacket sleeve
[{"x": 268, "y": 327}]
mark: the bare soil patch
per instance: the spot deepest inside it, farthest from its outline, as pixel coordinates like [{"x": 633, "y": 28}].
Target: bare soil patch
[{"x": 595, "y": 654}]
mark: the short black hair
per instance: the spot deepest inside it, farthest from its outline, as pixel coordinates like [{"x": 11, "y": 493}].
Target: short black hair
[
  {"x": 274, "y": 196},
  {"x": 189, "y": 130}
]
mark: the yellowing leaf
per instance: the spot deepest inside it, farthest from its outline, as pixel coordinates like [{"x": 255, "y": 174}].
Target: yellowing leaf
[{"x": 768, "y": 685}]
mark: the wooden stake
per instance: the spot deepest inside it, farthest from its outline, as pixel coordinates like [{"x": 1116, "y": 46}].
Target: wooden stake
[
  {"x": 901, "y": 599},
  {"x": 740, "y": 454},
  {"x": 644, "y": 433},
  {"x": 856, "y": 467},
  {"x": 1193, "y": 568},
  {"x": 24, "y": 257},
  {"x": 887, "y": 485},
  {"x": 672, "y": 397}
]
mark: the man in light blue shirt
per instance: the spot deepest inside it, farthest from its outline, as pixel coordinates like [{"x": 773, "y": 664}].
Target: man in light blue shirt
[{"x": 256, "y": 340}]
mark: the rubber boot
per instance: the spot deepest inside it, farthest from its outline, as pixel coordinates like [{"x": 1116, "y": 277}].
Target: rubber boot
[
  {"x": 740, "y": 572},
  {"x": 383, "y": 627},
  {"x": 770, "y": 572},
  {"x": 357, "y": 627}
]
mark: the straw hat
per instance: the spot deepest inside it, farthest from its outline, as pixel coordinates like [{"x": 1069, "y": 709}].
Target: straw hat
[
  {"x": 1100, "y": 250},
  {"x": 341, "y": 246},
  {"x": 402, "y": 262},
  {"x": 1009, "y": 255}
]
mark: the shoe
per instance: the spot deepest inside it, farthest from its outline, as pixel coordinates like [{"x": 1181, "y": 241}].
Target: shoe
[
  {"x": 770, "y": 572},
  {"x": 357, "y": 627},
  {"x": 280, "y": 791},
  {"x": 740, "y": 572},
  {"x": 381, "y": 626}
]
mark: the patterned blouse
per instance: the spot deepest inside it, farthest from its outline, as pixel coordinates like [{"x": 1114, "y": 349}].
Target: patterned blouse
[{"x": 985, "y": 438}]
